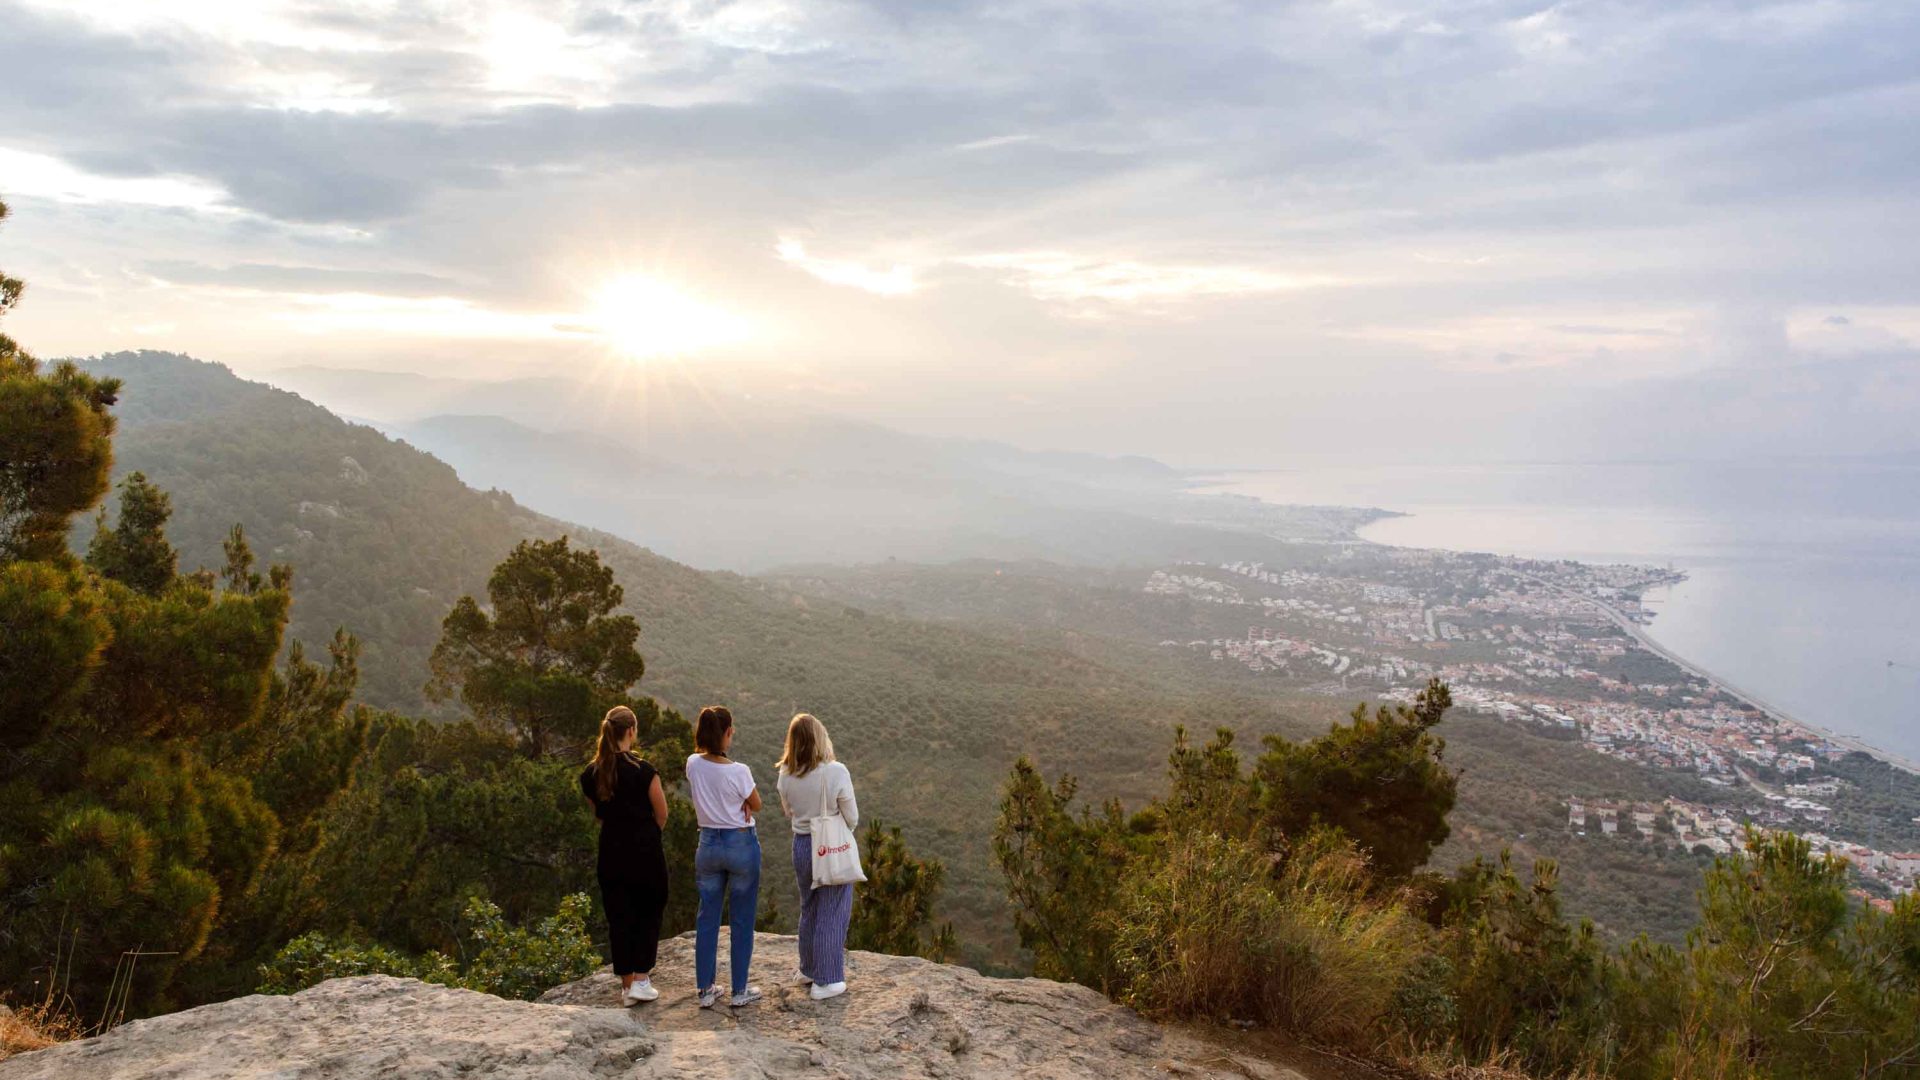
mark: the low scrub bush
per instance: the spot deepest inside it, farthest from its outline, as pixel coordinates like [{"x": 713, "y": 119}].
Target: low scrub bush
[
  {"x": 1211, "y": 929},
  {"x": 508, "y": 961}
]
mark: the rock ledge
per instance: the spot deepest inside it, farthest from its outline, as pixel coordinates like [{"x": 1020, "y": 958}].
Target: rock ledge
[{"x": 901, "y": 1017}]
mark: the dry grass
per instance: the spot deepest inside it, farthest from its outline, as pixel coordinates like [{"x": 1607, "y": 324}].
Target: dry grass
[
  {"x": 1211, "y": 931},
  {"x": 54, "y": 1018},
  {"x": 1442, "y": 1066},
  {"x": 35, "y": 1027}
]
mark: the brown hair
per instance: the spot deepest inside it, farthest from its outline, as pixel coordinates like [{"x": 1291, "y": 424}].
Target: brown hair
[
  {"x": 807, "y": 746},
  {"x": 614, "y": 727},
  {"x": 709, "y": 735}
]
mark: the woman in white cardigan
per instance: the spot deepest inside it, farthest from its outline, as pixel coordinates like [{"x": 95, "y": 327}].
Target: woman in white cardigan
[{"x": 812, "y": 784}]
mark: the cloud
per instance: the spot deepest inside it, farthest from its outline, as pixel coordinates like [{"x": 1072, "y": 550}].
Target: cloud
[
  {"x": 992, "y": 142},
  {"x": 1323, "y": 197},
  {"x": 434, "y": 317},
  {"x": 896, "y": 280},
  {"x": 29, "y": 175},
  {"x": 1064, "y": 277},
  {"x": 263, "y": 277}
]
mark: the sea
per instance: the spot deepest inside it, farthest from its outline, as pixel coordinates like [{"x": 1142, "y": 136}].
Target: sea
[{"x": 1803, "y": 576}]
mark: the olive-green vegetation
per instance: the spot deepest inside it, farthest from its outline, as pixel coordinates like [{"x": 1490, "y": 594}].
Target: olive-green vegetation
[
  {"x": 1289, "y": 893},
  {"x": 1876, "y": 802},
  {"x": 1379, "y": 782},
  {"x": 1514, "y": 784}
]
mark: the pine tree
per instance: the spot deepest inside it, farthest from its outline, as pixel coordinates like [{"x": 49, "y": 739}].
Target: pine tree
[
  {"x": 56, "y": 444},
  {"x": 547, "y": 656},
  {"x": 1521, "y": 980},
  {"x": 1380, "y": 779},
  {"x": 1785, "y": 978},
  {"x": 1063, "y": 874},
  {"x": 490, "y": 806},
  {"x": 121, "y": 843},
  {"x": 893, "y": 912},
  {"x": 135, "y": 551}
]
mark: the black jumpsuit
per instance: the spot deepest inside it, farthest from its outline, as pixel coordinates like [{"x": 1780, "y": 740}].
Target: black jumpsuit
[{"x": 633, "y": 867}]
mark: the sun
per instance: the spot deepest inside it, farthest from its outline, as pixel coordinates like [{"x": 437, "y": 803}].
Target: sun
[{"x": 641, "y": 317}]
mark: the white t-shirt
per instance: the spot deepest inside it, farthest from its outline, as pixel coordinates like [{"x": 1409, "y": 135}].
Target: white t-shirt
[{"x": 718, "y": 790}]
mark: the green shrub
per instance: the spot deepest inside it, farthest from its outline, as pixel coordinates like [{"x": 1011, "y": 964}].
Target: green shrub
[
  {"x": 1210, "y": 929},
  {"x": 1786, "y": 977},
  {"x": 517, "y": 962},
  {"x": 1512, "y": 979},
  {"x": 311, "y": 959},
  {"x": 1063, "y": 871},
  {"x": 1194, "y": 930},
  {"x": 514, "y": 962}
]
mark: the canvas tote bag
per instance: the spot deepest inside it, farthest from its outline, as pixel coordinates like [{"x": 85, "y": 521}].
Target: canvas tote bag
[{"x": 836, "y": 858}]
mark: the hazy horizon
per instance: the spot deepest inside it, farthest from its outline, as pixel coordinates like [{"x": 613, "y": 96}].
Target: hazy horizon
[
  {"x": 344, "y": 395},
  {"x": 1221, "y": 235}
]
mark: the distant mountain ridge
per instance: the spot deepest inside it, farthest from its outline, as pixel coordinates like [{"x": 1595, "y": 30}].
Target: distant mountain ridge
[
  {"x": 676, "y": 418},
  {"x": 729, "y": 480}
]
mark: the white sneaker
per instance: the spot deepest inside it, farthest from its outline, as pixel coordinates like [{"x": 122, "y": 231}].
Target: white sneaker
[
  {"x": 747, "y": 997},
  {"x": 708, "y": 996},
  {"x": 641, "y": 990},
  {"x": 830, "y": 990}
]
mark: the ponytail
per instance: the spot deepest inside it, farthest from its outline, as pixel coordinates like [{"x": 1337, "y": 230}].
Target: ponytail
[{"x": 614, "y": 728}]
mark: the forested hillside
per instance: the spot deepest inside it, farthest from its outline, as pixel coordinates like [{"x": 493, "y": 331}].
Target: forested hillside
[{"x": 383, "y": 538}]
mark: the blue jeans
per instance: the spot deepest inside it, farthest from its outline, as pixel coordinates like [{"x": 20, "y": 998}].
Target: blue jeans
[{"x": 726, "y": 867}]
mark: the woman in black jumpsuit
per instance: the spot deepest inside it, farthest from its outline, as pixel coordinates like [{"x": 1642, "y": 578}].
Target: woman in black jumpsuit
[{"x": 632, "y": 807}]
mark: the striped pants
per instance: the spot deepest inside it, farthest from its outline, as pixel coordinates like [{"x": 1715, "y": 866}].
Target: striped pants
[{"x": 824, "y": 914}]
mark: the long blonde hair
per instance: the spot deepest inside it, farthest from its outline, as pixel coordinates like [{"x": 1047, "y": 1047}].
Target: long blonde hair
[
  {"x": 614, "y": 727},
  {"x": 807, "y": 746}
]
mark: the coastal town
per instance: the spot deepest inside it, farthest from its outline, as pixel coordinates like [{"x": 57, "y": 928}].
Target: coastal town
[
  {"x": 1719, "y": 830},
  {"x": 1553, "y": 645}
]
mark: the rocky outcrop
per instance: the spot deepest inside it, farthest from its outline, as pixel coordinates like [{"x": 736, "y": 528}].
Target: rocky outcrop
[{"x": 901, "y": 1017}]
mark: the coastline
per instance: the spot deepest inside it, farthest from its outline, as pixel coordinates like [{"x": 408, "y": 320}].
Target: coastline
[
  {"x": 1462, "y": 531},
  {"x": 1646, "y": 641}
]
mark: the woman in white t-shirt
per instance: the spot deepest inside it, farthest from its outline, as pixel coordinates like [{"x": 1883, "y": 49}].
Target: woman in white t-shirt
[
  {"x": 726, "y": 867},
  {"x": 812, "y": 784}
]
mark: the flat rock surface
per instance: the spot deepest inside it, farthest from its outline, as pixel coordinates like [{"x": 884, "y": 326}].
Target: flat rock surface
[{"x": 901, "y": 1016}]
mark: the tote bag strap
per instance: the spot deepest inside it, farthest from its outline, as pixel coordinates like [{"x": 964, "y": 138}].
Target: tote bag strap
[{"x": 826, "y": 794}]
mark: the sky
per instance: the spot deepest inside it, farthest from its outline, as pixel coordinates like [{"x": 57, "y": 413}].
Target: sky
[{"x": 1218, "y": 233}]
